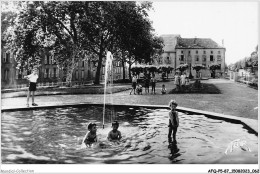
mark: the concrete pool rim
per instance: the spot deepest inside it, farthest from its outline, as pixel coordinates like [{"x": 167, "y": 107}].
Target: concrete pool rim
[{"x": 250, "y": 124}]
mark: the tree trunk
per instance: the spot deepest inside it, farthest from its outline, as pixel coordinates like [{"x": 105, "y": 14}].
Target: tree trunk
[
  {"x": 129, "y": 71},
  {"x": 70, "y": 68},
  {"x": 123, "y": 66},
  {"x": 97, "y": 77}
]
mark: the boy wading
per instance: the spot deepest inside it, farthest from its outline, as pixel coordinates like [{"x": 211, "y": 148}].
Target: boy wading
[{"x": 173, "y": 122}]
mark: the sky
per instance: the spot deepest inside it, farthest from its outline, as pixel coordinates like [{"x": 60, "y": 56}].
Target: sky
[{"x": 234, "y": 22}]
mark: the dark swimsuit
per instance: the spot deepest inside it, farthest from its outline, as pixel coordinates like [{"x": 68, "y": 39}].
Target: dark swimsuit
[
  {"x": 90, "y": 140},
  {"x": 174, "y": 121}
]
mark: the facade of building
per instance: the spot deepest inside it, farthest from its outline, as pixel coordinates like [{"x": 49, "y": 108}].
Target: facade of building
[
  {"x": 50, "y": 73},
  {"x": 193, "y": 51}
]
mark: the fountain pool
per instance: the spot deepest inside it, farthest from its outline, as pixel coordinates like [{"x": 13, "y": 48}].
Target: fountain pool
[{"x": 55, "y": 136}]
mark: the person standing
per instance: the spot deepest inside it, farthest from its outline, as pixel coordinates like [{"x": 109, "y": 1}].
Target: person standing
[
  {"x": 32, "y": 86},
  {"x": 177, "y": 81},
  {"x": 183, "y": 77},
  {"x": 146, "y": 84},
  {"x": 153, "y": 80},
  {"x": 134, "y": 81},
  {"x": 173, "y": 122}
]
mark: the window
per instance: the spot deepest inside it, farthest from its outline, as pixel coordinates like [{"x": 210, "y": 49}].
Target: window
[
  {"x": 218, "y": 57},
  {"x": 45, "y": 59},
  {"x": 211, "y": 58},
  {"x": 197, "y": 57},
  {"x": 204, "y": 58},
  {"x": 51, "y": 74},
  {"x": 48, "y": 60},
  {"x": 82, "y": 74},
  {"x": 4, "y": 57},
  {"x": 204, "y": 52},
  {"x": 46, "y": 74},
  {"x": 7, "y": 57},
  {"x": 181, "y": 52},
  {"x": 197, "y": 51},
  {"x": 6, "y": 74},
  {"x": 168, "y": 60},
  {"x": 83, "y": 63},
  {"x": 54, "y": 72},
  {"x": 189, "y": 52},
  {"x": 77, "y": 75},
  {"x": 211, "y": 52},
  {"x": 181, "y": 57},
  {"x": 57, "y": 72},
  {"x": 218, "y": 52}
]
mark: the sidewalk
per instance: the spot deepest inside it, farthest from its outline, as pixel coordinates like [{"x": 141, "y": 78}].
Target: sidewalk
[{"x": 235, "y": 99}]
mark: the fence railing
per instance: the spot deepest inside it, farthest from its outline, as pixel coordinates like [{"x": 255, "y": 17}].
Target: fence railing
[{"x": 52, "y": 84}]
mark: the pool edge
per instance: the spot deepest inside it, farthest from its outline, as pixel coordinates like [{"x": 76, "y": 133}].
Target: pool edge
[{"x": 250, "y": 124}]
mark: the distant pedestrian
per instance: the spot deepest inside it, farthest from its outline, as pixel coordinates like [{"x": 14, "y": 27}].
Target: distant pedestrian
[
  {"x": 187, "y": 83},
  {"x": 153, "y": 81},
  {"x": 173, "y": 122},
  {"x": 164, "y": 90},
  {"x": 134, "y": 81},
  {"x": 183, "y": 77},
  {"x": 177, "y": 81},
  {"x": 146, "y": 84},
  {"x": 32, "y": 86}
]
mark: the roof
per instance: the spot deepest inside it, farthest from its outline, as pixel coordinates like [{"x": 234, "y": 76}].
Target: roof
[
  {"x": 170, "y": 41},
  {"x": 198, "y": 43}
]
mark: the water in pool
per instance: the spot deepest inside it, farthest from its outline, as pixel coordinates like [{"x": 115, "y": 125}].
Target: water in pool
[{"x": 55, "y": 136}]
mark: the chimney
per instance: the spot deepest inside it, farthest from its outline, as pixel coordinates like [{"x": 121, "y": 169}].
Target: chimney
[
  {"x": 195, "y": 40},
  {"x": 222, "y": 42}
]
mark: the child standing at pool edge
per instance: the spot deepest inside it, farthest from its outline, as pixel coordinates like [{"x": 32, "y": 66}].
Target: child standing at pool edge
[
  {"x": 32, "y": 86},
  {"x": 173, "y": 122},
  {"x": 114, "y": 134}
]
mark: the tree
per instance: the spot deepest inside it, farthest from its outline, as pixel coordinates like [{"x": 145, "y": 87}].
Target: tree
[
  {"x": 213, "y": 68},
  {"x": 74, "y": 30},
  {"x": 51, "y": 26},
  {"x": 182, "y": 67},
  {"x": 165, "y": 69},
  {"x": 197, "y": 68}
]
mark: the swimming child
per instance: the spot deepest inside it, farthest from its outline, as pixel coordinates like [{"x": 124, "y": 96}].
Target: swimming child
[
  {"x": 91, "y": 136},
  {"x": 173, "y": 122},
  {"x": 114, "y": 134},
  {"x": 163, "y": 89}
]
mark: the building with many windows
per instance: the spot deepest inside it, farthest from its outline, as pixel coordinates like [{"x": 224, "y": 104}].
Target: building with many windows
[
  {"x": 193, "y": 51},
  {"x": 50, "y": 73}
]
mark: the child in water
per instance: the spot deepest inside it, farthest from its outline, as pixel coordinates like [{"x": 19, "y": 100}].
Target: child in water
[
  {"x": 91, "y": 136},
  {"x": 173, "y": 122},
  {"x": 114, "y": 134}
]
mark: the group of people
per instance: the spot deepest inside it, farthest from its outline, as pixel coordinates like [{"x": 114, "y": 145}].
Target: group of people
[
  {"x": 115, "y": 135},
  {"x": 138, "y": 88},
  {"x": 91, "y": 136},
  {"x": 182, "y": 82}
]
